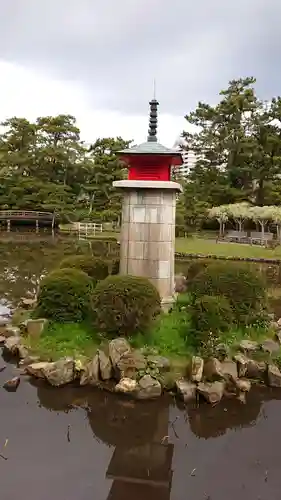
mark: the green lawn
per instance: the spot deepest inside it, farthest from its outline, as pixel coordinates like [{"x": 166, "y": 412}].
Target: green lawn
[{"x": 210, "y": 247}]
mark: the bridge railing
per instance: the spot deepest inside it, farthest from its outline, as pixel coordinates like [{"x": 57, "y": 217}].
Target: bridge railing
[
  {"x": 21, "y": 214},
  {"x": 89, "y": 228}
]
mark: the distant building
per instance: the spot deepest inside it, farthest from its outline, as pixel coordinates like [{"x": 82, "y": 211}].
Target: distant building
[{"x": 189, "y": 158}]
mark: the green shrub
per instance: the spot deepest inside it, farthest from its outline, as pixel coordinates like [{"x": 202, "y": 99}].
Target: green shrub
[
  {"x": 195, "y": 268},
  {"x": 96, "y": 269},
  {"x": 65, "y": 296},
  {"x": 244, "y": 289},
  {"x": 210, "y": 313},
  {"x": 124, "y": 305}
]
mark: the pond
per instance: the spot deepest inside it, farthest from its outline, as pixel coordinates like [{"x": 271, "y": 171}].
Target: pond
[{"x": 79, "y": 444}]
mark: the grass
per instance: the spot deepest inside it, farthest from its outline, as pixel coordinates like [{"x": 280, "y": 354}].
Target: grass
[
  {"x": 61, "y": 340},
  {"x": 210, "y": 247}
]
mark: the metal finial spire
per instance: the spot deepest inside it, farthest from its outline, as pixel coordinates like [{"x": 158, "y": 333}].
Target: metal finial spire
[{"x": 152, "y": 130}]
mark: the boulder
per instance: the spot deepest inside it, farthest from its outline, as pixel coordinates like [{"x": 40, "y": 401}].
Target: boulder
[
  {"x": 186, "y": 389},
  {"x": 28, "y": 360},
  {"x": 273, "y": 376},
  {"x": 241, "y": 362},
  {"x": 212, "y": 369},
  {"x": 11, "y": 345},
  {"x": 197, "y": 365},
  {"x": 105, "y": 366},
  {"x": 160, "y": 362},
  {"x": 126, "y": 386},
  {"x": 229, "y": 370},
  {"x": 90, "y": 374},
  {"x": 148, "y": 388},
  {"x": 277, "y": 336},
  {"x": 12, "y": 384},
  {"x": 129, "y": 364},
  {"x": 35, "y": 327},
  {"x": 180, "y": 283},
  {"x": 243, "y": 385},
  {"x": 37, "y": 369},
  {"x": 270, "y": 346},
  {"x": 255, "y": 369},
  {"x": 60, "y": 372},
  {"x": 212, "y": 392},
  {"x": 249, "y": 346},
  {"x": 116, "y": 348}
]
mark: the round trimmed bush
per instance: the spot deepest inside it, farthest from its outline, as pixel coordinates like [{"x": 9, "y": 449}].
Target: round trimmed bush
[
  {"x": 243, "y": 288},
  {"x": 65, "y": 296},
  {"x": 124, "y": 305},
  {"x": 96, "y": 269},
  {"x": 210, "y": 313}
]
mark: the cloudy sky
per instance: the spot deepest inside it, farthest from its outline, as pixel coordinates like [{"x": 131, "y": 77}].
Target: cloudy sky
[{"x": 97, "y": 59}]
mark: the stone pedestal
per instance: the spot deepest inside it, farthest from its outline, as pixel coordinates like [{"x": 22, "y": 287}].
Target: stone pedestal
[{"x": 147, "y": 243}]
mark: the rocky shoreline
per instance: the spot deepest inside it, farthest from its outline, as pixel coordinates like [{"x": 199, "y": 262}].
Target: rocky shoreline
[{"x": 141, "y": 375}]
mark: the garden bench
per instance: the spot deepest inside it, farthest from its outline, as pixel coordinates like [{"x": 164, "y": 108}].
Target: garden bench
[
  {"x": 259, "y": 237},
  {"x": 236, "y": 236}
]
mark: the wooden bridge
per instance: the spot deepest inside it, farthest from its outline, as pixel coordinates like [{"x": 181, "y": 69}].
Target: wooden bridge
[{"x": 10, "y": 216}]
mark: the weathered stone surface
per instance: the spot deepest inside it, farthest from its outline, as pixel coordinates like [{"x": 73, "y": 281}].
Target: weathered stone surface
[
  {"x": 255, "y": 369},
  {"x": 212, "y": 392},
  {"x": 35, "y": 327},
  {"x": 12, "y": 384},
  {"x": 243, "y": 385},
  {"x": 241, "y": 361},
  {"x": 28, "y": 360},
  {"x": 229, "y": 369},
  {"x": 11, "y": 331},
  {"x": 11, "y": 345},
  {"x": 126, "y": 386},
  {"x": 105, "y": 366},
  {"x": 129, "y": 364},
  {"x": 186, "y": 389},
  {"x": 197, "y": 365},
  {"x": 273, "y": 376},
  {"x": 37, "y": 369},
  {"x": 269, "y": 346},
  {"x": 248, "y": 346},
  {"x": 160, "y": 362},
  {"x": 117, "y": 348},
  {"x": 148, "y": 388},
  {"x": 90, "y": 375},
  {"x": 60, "y": 372},
  {"x": 212, "y": 369}
]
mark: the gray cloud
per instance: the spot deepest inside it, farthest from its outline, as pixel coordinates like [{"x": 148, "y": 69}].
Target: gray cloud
[{"x": 116, "y": 47}]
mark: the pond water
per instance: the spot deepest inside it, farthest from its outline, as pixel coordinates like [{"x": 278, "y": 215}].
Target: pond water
[{"x": 76, "y": 444}]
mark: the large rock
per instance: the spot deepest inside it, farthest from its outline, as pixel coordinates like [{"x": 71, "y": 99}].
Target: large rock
[
  {"x": 117, "y": 348},
  {"x": 35, "y": 327},
  {"x": 241, "y": 362},
  {"x": 249, "y": 346},
  {"x": 126, "y": 386},
  {"x": 229, "y": 370},
  {"x": 186, "y": 389},
  {"x": 28, "y": 360},
  {"x": 161, "y": 363},
  {"x": 60, "y": 372},
  {"x": 11, "y": 345},
  {"x": 129, "y": 364},
  {"x": 212, "y": 392},
  {"x": 12, "y": 384},
  {"x": 213, "y": 369},
  {"x": 270, "y": 346},
  {"x": 273, "y": 376},
  {"x": 37, "y": 369},
  {"x": 148, "y": 388},
  {"x": 105, "y": 366},
  {"x": 90, "y": 374},
  {"x": 243, "y": 385},
  {"x": 256, "y": 369},
  {"x": 197, "y": 365}
]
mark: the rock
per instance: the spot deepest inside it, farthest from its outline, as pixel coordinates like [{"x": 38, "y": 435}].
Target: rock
[
  {"x": 37, "y": 369},
  {"x": 243, "y": 385},
  {"x": 11, "y": 331},
  {"x": 60, "y": 372},
  {"x": 197, "y": 365},
  {"x": 12, "y": 385},
  {"x": 180, "y": 283},
  {"x": 186, "y": 389},
  {"x": 273, "y": 376},
  {"x": 129, "y": 364},
  {"x": 279, "y": 322},
  {"x": 212, "y": 369},
  {"x": 28, "y": 360},
  {"x": 248, "y": 346},
  {"x": 163, "y": 364},
  {"x": 105, "y": 366},
  {"x": 269, "y": 346},
  {"x": 148, "y": 388},
  {"x": 90, "y": 375},
  {"x": 35, "y": 327},
  {"x": 126, "y": 385},
  {"x": 211, "y": 391},
  {"x": 255, "y": 369},
  {"x": 116, "y": 348},
  {"x": 274, "y": 325},
  {"x": 11, "y": 345},
  {"x": 22, "y": 351},
  {"x": 277, "y": 336},
  {"x": 229, "y": 370},
  {"x": 2, "y": 339},
  {"x": 241, "y": 362},
  {"x": 27, "y": 303}
]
